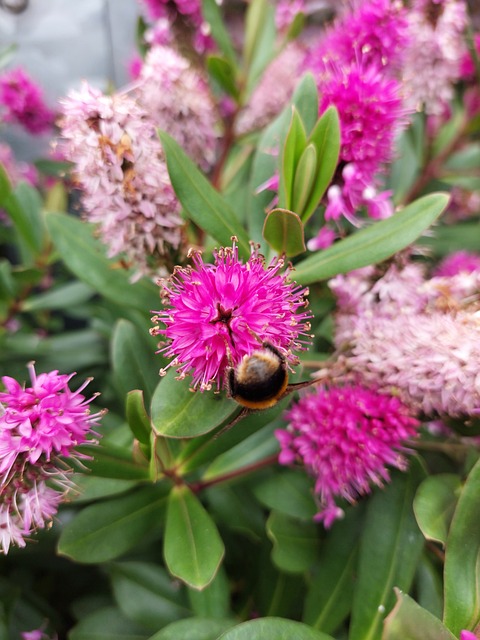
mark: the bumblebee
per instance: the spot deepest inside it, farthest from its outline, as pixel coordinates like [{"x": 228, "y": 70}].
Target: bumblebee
[{"x": 260, "y": 379}]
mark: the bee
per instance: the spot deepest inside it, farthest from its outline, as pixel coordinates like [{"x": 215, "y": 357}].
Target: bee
[{"x": 260, "y": 379}]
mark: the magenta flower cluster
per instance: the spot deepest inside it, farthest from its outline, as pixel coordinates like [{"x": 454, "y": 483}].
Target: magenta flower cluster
[
  {"x": 346, "y": 437},
  {"x": 217, "y": 313},
  {"x": 40, "y": 428},
  {"x": 22, "y": 102},
  {"x": 356, "y": 66}
]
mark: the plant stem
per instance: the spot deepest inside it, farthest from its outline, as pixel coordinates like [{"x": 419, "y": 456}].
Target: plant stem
[{"x": 237, "y": 473}]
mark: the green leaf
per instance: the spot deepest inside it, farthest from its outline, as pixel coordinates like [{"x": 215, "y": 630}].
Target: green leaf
[
  {"x": 133, "y": 363},
  {"x": 107, "y": 624},
  {"x": 456, "y": 237},
  {"x": 193, "y": 548},
  {"x": 85, "y": 257},
  {"x": 24, "y": 207},
  {"x": 389, "y": 552},
  {"x": 434, "y": 505},
  {"x": 247, "y": 453},
  {"x": 330, "y": 594},
  {"x": 146, "y": 594},
  {"x": 429, "y": 587},
  {"x": 106, "y": 530},
  {"x": 178, "y": 412},
  {"x": 223, "y": 72},
  {"x": 462, "y": 560},
  {"x": 305, "y": 176},
  {"x": 283, "y": 230},
  {"x": 408, "y": 621},
  {"x": 259, "y": 41},
  {"x": 273, "y": 629},
  {"x": 202, "y": 203},
  {"x": 305, "y": 99},
  {"x": 137, "y": 417},
  {"x": 214, "y": 600},
  {"x": 194, "y": 629},
  {"x": 373, "y": 244},
  {"x": 211, "y": 14},
  {"x": 295, "y": 542},
  {"x": 113, "y": 462},
  {"x": 326, "y": 139},
  {"x": 288, "y": 492},
  {"x": 61, "y": 297},
  {"x": 293, "y": 148},
  {"x": 91, "y": 488}
]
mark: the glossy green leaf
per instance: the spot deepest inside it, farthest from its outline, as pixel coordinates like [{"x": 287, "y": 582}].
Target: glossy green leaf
[
  {"x": 273, "y": 629},
  {"x": 283, "y": 230},
  {"x": 107, "y": 461},
  {"x": 259, "y": 43},
  {"x": 434, "y": 505},
  {"x": 374, "y": 243},
  {"x": 429, "y": 586},
  {"x": 85, "y": 257},
  {"x": 305, "y": 176},
  {"x": 91, "y": 488},
  {"x": 62, "y": 297},
  {"x": 212, "y": 14},
  {"x": 202, "y": 203},
  {"x": 295, "y": 542},
  {"x": 107, "y": 624},
  {"x": 466, "y": 159},
  {"x": 265, "y": 162},
  {"x": 443, "y": 240},
  {"x": 146, "y": 594},
  {"x": 178, "y": 412},
  {"x": 288, "y": 492},
  {"x": 108, "y": 529},
  {"x": 134, "y": 364},
  {"x": 234, "y": 507},
  {"x": 214, "y": 600},
  {"x": 389, "y": 552},
  {"x": 137, "y": 416},
  {"x": 223, "y": 72},
  {"x": 24, "y": 207},
  {"x": 462, "y": 560},
  {"x": 193, "y": 548},
  {"x": 194, "y": 629},
  {"x": 409, "y": 621},
  {"x": 246, "y": 454},
  {"x": 330, "y": 594},
  {"x": 293, "y": 148},
  {"x": 326, "y": 139}
]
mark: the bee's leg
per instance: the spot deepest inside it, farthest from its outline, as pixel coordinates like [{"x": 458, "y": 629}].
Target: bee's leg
[{"x": 243, "y": 414}]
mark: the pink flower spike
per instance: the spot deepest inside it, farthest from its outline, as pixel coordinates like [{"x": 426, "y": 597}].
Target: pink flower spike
[
  {"x": 458, "y": 262},
  {"x": 40, "y": 428},
  {"x": 217, "y": 313},
  {"x": 346, "y": 437},
  {"x": 23, "y": 102},
  {"x": 468, "y": 635}
]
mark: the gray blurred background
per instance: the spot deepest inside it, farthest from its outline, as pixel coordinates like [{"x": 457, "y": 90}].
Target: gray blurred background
[{"x": 61, "y": 42}]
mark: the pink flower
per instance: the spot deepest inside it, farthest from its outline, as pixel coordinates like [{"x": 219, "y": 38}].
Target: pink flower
[
  {"x": 324, "y": 238},
  {"x": 177, "y": 99},
  {"x": 468, "y": 635},
  {"x": 371, "y": 113},
  {"x": 435, "y": 52},
  {"x": 23, "y": 102},
  {"x": 374, "y": 31},
  {"x": 416, "y": 338},
  {"x": 119, "y": 165},
  {"x": 458, "y": 262},
  {"x": 274, "y": 90},
  {"x": 217, "y": 313},
  {"x": 40, "y": 428},
  {"x": 346, "y": 437},
  {"x": 285, "y": 12}
]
